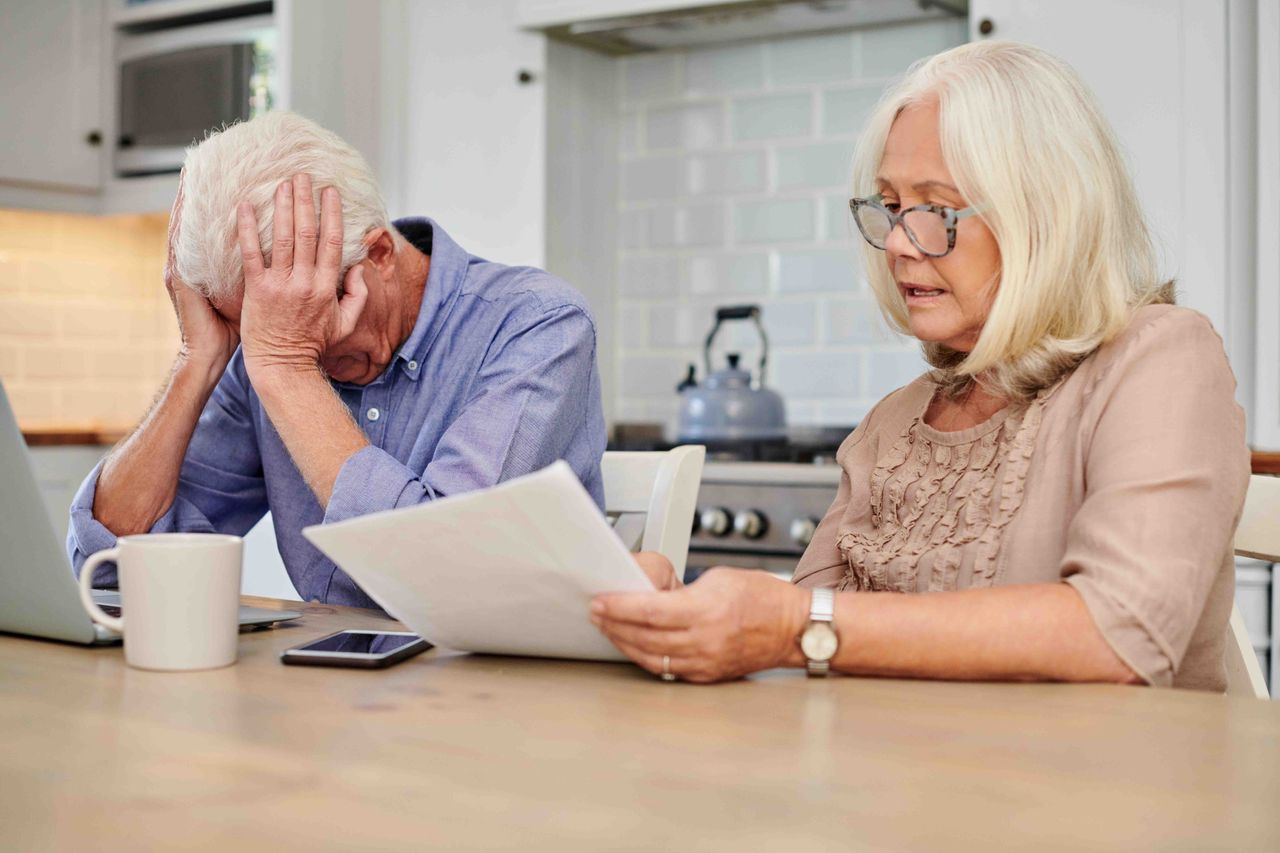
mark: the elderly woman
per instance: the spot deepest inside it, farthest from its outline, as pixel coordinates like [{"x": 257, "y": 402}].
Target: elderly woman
[{"x": 1065, "y": 482}]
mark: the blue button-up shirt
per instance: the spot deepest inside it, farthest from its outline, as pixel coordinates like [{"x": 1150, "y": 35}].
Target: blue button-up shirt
[{"x": 497, "y": 379}]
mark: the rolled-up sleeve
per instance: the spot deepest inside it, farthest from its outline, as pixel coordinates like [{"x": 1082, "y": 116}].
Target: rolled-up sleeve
[
  {"x": 220, "y": 488},
  {"x": 1166, "y": 471},
  {"x": 372, "y": 480},
  {"x": 532, "y": 393}
]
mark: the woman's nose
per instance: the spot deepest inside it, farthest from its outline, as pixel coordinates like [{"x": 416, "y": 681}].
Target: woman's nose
[{"x": 899, "y": 245}]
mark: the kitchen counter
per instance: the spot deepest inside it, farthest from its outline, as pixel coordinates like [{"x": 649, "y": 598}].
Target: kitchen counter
[
  {"x": 1266, "y": 462},
  {"x": 72, "y": 436},
  {"x": 470, "y": 752}
]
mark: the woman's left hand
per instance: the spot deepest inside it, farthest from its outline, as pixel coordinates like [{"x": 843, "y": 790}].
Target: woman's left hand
[{"x": 730, "y": 623}]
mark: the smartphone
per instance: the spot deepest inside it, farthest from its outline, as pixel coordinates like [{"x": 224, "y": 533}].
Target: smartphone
[{"x": 363, "y": 649}]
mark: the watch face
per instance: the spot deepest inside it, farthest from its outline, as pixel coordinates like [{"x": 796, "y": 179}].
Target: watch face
[{"x": 819, "y": 641}]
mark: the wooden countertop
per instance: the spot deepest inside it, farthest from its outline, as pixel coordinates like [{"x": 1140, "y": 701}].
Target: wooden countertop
[
  {"x": 73, "y": 435},
  {"x": 1264, "y": 462},
  {"x": 461, "y": 752}
]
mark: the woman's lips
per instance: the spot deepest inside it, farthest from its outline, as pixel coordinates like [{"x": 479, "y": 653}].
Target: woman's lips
[{"x": 919, "y": 294}]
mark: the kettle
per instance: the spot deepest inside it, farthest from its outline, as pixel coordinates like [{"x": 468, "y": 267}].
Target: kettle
[{"x": 727, "y": 406}]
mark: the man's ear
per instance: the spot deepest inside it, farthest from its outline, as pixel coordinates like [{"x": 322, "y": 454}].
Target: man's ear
[{"x": 381, "y": 251}]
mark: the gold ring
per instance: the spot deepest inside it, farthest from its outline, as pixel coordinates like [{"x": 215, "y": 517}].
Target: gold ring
[{"x": 667, "y": 674}]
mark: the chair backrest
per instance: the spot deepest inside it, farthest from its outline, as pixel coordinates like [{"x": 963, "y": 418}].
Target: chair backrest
[
  {"x": 1257, "y": 536},
  {"x": 652, "y": 497}
]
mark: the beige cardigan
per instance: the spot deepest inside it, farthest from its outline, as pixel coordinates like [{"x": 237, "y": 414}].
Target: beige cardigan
[{"x": 1125, "y": 480}]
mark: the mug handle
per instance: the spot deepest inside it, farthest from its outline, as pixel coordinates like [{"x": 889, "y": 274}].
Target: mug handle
[{"x": 96, "y": 613}]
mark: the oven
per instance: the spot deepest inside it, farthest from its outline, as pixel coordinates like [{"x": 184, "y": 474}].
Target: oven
[
  {"x": 176, "y": 84},
  {"x": 759, "y": 515}
]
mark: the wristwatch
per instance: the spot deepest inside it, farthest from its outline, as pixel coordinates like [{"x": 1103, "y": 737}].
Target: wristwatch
[{"x": 819, "y": 640}]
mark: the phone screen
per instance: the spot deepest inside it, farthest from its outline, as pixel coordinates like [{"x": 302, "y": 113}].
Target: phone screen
[{"x": 360, "y": 643}]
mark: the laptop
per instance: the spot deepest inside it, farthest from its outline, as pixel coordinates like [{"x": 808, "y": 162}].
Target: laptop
[{"x": 39, "y": 595}]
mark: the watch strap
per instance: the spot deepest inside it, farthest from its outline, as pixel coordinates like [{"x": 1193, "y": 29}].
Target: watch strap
[
  {"x": 822, "y": 608},
  {"x": 818, "y": 668}
]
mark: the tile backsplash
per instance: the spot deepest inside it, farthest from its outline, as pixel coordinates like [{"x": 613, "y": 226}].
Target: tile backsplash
[
  {"x": 734, "y": 184},
  {"x": 86, "y": 330}
]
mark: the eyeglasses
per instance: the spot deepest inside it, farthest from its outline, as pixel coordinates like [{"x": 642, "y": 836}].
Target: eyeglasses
[{"x": 931, "y": 228}]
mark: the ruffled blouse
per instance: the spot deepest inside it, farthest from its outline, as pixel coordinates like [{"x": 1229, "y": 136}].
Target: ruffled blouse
[
  {"x": 939, "y": 502},
  {"x": 1125, "y": 480}
]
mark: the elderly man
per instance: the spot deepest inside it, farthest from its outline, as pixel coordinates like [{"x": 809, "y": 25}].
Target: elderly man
[{"x": 335, "y": 364}]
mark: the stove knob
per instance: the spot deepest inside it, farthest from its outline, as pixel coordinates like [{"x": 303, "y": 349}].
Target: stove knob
[
  {"x": 715, "y": 521},
  {"x": 802, "y": 530},
  {"x": 750, "y": 523}
]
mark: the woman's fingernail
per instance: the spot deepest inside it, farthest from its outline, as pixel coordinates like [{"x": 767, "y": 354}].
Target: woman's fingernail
[{"x": 597, "y": 608}]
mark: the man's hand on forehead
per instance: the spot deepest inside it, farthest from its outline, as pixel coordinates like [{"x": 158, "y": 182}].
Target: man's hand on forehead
[{"x": 302, "y": 304}]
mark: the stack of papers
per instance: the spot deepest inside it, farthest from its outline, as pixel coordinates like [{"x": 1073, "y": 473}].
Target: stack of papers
[{"x": 508, "y": 570}]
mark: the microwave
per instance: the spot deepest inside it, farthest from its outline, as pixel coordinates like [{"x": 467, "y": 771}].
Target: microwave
[{"x": 175, "y": 85}]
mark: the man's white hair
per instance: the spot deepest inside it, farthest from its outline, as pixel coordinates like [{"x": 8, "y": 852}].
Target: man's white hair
[{"x": 247, "y": 162}]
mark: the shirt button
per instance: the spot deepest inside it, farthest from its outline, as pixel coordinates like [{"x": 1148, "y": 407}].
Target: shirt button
[
  {"x": 413, "y": 365},
  {"x": 373, "y": 414}
]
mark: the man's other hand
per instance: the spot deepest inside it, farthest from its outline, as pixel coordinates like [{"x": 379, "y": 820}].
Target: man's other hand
[{"x": 208, "y": 340}]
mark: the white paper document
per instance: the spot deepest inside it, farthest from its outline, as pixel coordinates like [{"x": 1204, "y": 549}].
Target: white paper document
[{"x": 507, "y": 570}]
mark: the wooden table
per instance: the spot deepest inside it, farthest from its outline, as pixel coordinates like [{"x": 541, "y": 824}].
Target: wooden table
[{"x": 457, "y": 752}]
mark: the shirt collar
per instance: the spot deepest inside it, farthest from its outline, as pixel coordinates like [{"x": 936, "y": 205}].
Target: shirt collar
[{"x": 447, "y": 271}]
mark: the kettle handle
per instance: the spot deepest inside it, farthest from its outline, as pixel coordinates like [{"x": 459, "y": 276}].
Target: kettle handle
[{"x": 738, "y": 312}]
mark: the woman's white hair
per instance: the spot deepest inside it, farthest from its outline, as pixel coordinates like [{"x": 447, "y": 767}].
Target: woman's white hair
[
  {"x": 246, "y": 162},
  {"x": 1027, "y": 144}
]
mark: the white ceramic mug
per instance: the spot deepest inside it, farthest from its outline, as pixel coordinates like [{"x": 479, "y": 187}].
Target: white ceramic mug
[{"x": 180, "y": 596}]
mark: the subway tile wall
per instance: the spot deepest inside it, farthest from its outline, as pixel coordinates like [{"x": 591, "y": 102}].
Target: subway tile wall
[
  {"x": 734, "y": 188},
  {"x": 86, "y": 330}
]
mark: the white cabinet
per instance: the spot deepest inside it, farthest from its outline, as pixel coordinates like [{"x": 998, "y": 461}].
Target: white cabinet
[
  {"x": 264, "y": 572},
  {"x": 509, "y": 141},
  {"x": 1173, "y": 79},
  {"x": 474, "y": 135},
  {"x": 550, "y": 13},
  {"x": 50, "y": 100},
  {"x": 59, "y": 473},
  {"x": 1267, "y": 414},
  {"x": 58, "y": 85}
]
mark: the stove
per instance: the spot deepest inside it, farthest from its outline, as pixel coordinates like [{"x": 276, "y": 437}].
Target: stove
[
  {"x": 759, "y": 515},
  {"x": 760, "y": 502}
]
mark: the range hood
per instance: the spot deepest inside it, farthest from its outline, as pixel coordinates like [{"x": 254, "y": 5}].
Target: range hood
[{"x": 698, "y": 25}]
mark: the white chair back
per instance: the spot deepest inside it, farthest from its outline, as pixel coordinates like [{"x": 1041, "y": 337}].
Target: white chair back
[
  {"x": 651, "y": 498},
  {"x": 1257, "y": 536}
]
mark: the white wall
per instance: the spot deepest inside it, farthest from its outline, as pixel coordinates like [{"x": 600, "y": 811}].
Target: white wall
[
  {"x": 734, "y": 189},
  {"x": 1267, "y": 413},
  {"x": 581, "y": 195}
]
